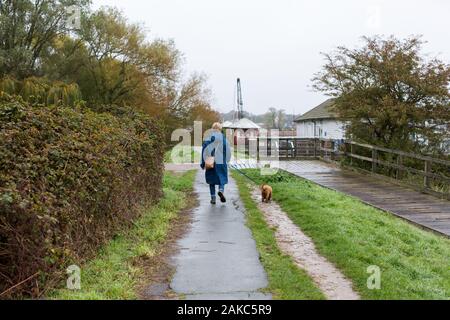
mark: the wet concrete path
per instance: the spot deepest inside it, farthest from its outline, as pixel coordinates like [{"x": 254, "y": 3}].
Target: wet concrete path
[{"x": 218, "y": 258}]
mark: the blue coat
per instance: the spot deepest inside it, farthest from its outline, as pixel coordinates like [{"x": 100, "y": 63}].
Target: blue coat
[{"x": 218, "y": 147}]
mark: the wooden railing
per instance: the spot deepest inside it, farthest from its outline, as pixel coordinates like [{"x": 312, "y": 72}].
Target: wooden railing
[
  {"x": 428, "y": 174},
  {"x": 398, "y": 163},
  {"x": 286, "y": 148}
]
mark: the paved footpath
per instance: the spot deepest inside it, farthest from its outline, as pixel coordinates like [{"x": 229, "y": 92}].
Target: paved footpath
[{"x": 218, "y": 258}]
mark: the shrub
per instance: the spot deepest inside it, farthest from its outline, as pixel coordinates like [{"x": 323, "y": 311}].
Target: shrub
[
  {"x": 40, "y": 90},
  {"x": 69, "y": 180}
]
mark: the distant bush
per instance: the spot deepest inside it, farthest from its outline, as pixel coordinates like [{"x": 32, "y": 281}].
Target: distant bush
[{"x": 69, "y": 180}]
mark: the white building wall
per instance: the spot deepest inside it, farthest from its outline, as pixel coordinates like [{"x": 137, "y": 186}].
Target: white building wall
[{"x": 326, "y": 129}]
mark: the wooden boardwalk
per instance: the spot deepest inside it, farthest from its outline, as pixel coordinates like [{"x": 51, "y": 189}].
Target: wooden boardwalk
[{"x": 421, "y": 209}]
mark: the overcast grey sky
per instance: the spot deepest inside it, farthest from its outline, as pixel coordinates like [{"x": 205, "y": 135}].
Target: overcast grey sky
[{"x": 274, "y": 45}]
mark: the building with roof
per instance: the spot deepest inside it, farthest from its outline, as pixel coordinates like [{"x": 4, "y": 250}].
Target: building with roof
[
  {"x": 321, "y": 122},
  {"x": 241, "y": 129},
  {"x": 243, "y": 124},
  {"x": 227, "y": 124}
]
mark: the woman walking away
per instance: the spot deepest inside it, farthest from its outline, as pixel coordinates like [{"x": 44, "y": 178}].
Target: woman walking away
[{"x": 215, "y": 157}]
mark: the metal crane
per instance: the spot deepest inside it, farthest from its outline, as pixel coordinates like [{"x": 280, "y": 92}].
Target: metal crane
[{"x": 240, "y": 101}]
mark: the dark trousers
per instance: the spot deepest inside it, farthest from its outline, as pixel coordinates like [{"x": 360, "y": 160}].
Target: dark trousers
[{"x": 212, "y": 189}]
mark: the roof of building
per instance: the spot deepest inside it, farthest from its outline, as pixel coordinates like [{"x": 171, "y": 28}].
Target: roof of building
[
  {"x": 322, "y": 111},
  {"x": 241, "y": 124},
  {"x": 227, "y": 124}
]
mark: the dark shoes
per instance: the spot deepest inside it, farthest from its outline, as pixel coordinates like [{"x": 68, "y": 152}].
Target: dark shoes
[{"x": 222, "y": 197}]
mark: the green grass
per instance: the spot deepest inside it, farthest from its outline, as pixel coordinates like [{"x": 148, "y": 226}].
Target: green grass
[
  {"x": 415, "y": 264},
  {"x": 183, "y": 154},
  {"x": 114, "y": 273},
  {"x": 286, "y": 281}
]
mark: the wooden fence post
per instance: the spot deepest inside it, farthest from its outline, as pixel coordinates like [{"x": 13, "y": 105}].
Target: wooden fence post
[
  {"x": 321, "y": 151},
  {"x": 257, "y": 148},
  {"x": 333, "y": 153},
  {"x": 295, "y": 149},
  {"x": 374, "y": 159},
  {"x": 398, "y": 176},
  {"x": 427, "y": 170},
  {"x": 315, "y": 148},
  {"x": 351, "y": 154}
]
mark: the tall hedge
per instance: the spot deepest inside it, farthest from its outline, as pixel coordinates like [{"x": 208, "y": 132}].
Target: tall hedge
[{"x": 69, "y": 180}]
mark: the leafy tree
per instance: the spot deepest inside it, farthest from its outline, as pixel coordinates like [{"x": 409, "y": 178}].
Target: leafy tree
[
  {"x": 39, "y": 91},
  {"x": 389, "y": 93},
  {"x": 281, "y": 119},
  {"x": 27, "y": 29},
  {"x": 271, "y": 118},
  {"x": 203, "y": 112},
  {"x": 275, "y": 119},
  {"x": 188, "y": 103},
  {"x": 107, "y": 62},
  {"x": 120, "y": 66}
]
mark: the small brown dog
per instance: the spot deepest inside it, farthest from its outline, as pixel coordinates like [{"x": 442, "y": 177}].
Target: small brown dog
[{"x": 266, "y": 193}]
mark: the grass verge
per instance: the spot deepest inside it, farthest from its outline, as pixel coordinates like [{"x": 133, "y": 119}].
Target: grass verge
[
  {"x": 114, "y": 274},
  {"x": 414, "y": 263},
  {"x": 286, "y": 281}
]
